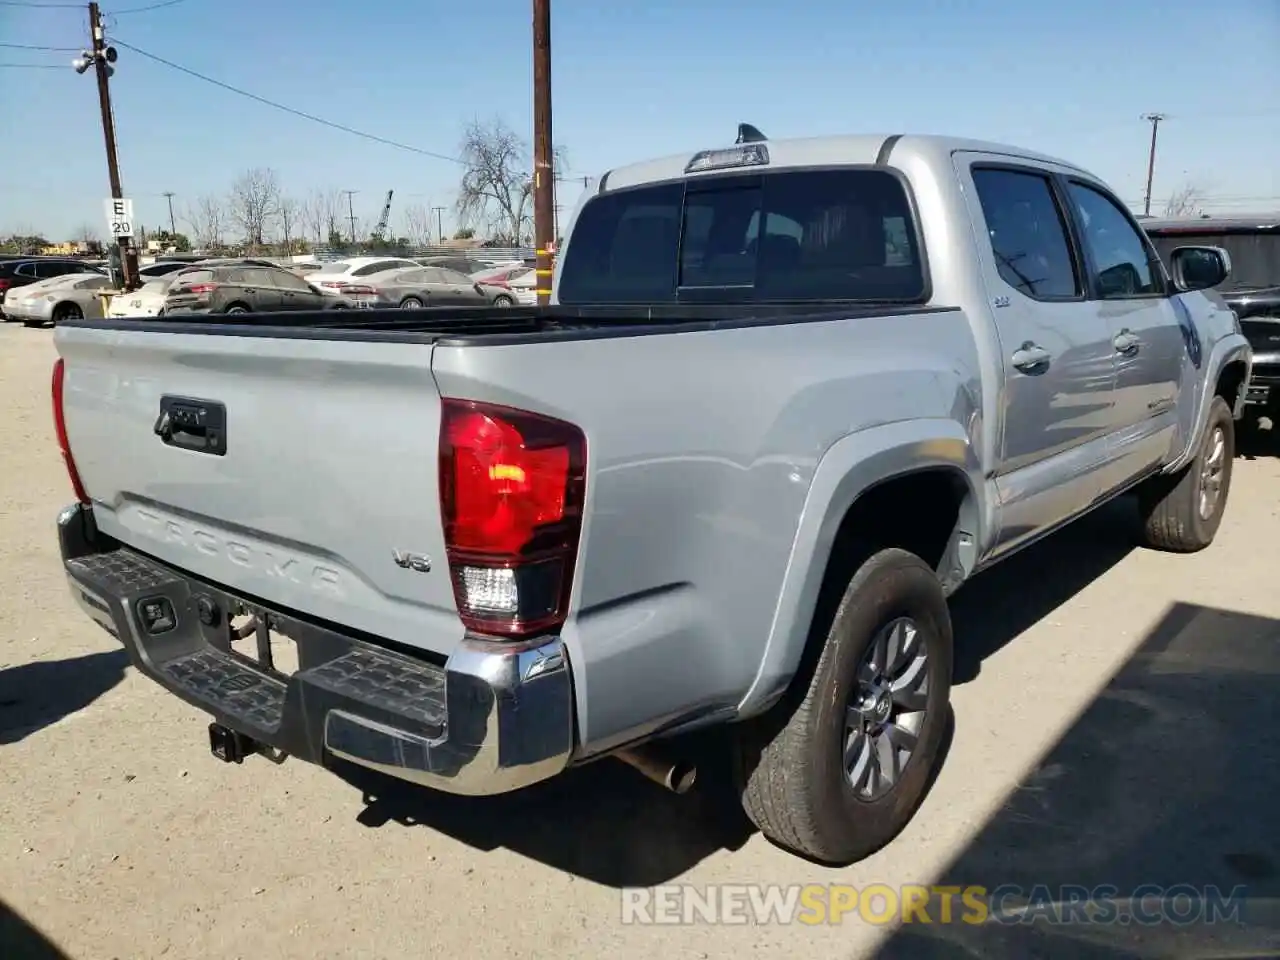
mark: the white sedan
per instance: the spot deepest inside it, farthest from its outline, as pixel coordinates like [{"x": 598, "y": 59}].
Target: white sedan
[{"x": 70, "y": 297}]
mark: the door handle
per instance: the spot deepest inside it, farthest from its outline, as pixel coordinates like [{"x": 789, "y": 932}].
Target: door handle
[
  {"x": 1030, "y": 358},
  {"x": 1126, "y": 343}
]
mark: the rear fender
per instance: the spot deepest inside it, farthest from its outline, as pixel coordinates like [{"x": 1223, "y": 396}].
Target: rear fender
[{"x": 849, "y": 468}]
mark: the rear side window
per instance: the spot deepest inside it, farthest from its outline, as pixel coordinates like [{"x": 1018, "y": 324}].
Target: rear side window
[
  {"x": 843, "y": 235},
  {"x": 47, "y": 269},
  {"x": 1028, "y": 234}
]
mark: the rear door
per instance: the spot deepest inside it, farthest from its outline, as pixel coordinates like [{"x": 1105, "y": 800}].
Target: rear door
[
  {"x": 1059, "y": 365},
  {"x": 330, "y": 467},
  {"x": 1149, "y": 338}
]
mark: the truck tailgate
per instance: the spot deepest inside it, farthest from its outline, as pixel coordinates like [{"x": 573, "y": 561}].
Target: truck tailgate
[{"x": 327, "y": 484}]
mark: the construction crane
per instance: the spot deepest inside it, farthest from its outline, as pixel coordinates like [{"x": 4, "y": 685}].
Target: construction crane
[{"x": 379, "y": 232}]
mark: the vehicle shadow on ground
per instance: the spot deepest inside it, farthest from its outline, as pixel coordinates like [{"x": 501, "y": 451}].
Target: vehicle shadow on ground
[
  {"x": 608, "y": 824},
  {"x": 1169, "y": 778},
  {"x": 34, "y": 695},
  {"x": 19, "y": 940}
]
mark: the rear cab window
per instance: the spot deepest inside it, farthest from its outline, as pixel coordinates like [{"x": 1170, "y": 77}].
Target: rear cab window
[{"x": 789, "y": 236}]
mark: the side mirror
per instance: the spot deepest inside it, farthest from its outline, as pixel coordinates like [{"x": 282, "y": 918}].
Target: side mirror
[{"x": 1199, "y": 268}]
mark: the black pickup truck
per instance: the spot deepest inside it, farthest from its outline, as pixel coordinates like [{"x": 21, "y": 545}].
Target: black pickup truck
[{"x": 1252, "y": 290}]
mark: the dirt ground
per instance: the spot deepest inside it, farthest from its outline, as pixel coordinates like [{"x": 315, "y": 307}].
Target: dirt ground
[{"x": 1113, "y": 724}]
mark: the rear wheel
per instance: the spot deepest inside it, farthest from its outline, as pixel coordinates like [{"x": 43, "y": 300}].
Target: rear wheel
[
  {"x": 1181, "y": 513},
  {"x": 410, "y": 303},
  {"x": 838, "y": 775},
  {"x": 502, "y": 300},
  {"x": 67, "y": 311},
  {"x": 237, "y": 308}
]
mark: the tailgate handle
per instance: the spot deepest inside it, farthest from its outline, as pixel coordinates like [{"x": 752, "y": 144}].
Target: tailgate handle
[{"x": 190, "y": 424}]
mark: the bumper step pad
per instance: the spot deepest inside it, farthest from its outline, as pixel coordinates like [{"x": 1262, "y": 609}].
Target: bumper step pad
[{"x": 195, "y": 660}]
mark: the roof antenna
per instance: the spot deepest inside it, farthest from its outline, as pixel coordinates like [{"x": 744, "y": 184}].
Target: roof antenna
[{"x": 749, "y": 134}]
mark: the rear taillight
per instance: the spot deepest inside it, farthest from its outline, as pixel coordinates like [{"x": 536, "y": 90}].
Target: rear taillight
[
  {"x": 357, "y": 289},
  {"x": 5, "y": 285},
  {"x": 511, "y": 491},
  {"x": 200, "y": 288},
  {"x": 60, "y": 428},
  {"x": 333, "y": 284},
  {"x": 497, "y": 283}
]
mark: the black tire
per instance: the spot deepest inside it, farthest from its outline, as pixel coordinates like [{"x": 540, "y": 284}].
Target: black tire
[
  {"x": 67, "y": 311},
  {"x": 411, "y": 303},
  {"x": 236, "y": 308},
  {"x": 791, "y": 763},
  {"x": 502, "y": 300},
  {"x": 1173, "y": 511}
]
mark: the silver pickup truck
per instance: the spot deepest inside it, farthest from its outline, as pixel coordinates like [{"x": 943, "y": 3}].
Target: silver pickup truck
[{"x": 789, "y": 396}]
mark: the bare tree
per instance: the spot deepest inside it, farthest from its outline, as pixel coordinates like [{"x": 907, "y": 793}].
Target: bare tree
[
  {"x": 1187, "y": 202},
  {"x": 417, "y": 224},
  {"x": 86, "y": 234},
  {"x": 319, "y": 213},
  {"x": 207, "y": 219},
  {"x": 497, "y": 184},
  {"x": 255, "y": 204},
  {"x": 290, "y": 216}
]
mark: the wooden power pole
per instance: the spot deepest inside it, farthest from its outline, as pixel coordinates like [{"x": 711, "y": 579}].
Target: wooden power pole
[
  {"x": 128, "y": 254},
  {"x": 1154, "y": 119},
  {"x": 544, "y": 180}
]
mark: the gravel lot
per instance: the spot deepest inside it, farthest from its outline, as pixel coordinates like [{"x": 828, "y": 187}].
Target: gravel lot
[{"x": 1113, "y": 724}]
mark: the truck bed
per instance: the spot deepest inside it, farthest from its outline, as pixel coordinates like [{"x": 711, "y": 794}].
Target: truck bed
[{"x": 474, "y": 325}]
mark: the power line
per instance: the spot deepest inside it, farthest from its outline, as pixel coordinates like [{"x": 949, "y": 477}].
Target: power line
[
  {"x": 31, "y": 66},
  {"x": 280, "y": 106},
  {"x": 146, "y": 9},
  {"x": 41, "y": 6},
  {"x": 30, "y": 46}
]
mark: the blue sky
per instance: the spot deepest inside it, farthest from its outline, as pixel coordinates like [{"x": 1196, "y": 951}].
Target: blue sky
[{"x": 630, "y": 81}]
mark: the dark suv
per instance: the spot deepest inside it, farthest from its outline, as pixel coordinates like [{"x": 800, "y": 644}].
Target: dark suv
[
  {"x": 1252, "y": 290},
  {"x": 243, "y": 287},
  {"x": 20, "y": 271}
]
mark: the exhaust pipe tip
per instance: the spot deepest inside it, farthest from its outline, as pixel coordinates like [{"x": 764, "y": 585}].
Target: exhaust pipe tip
[
  {"x": 681, "y": 777},
  {"x": 676, "y": 775}
]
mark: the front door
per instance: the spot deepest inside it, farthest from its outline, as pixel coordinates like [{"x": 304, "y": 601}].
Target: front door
[
  {"x": 1059, "y": 365},
  {"x": 1151, "y": 341}
]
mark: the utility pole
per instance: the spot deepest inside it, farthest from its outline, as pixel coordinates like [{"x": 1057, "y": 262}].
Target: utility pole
[
  {"x": 173, "y": 228},
  {"x": 543, "y": 170},
  {"x": 1154, "y": 119},
  {"x": 351, "y": 212},
  {"x": 128, "y": 255},
  {"x": 439, "y": 212}
]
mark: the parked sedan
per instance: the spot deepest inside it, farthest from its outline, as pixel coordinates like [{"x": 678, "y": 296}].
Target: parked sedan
[
  {"x": 240, "y": 288},
  {"x": 333, "y": 276},
  {"x": 24, "y": 271},
  {"x": 418, "y": 287},
  {"x": 69, "y": 297}
]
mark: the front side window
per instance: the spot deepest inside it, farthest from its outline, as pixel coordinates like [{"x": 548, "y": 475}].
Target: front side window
[
  {"x": 828, "y": 235},
  {"x": 1121, "y": 264},
  {"x": 1028, "y": 233}
]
